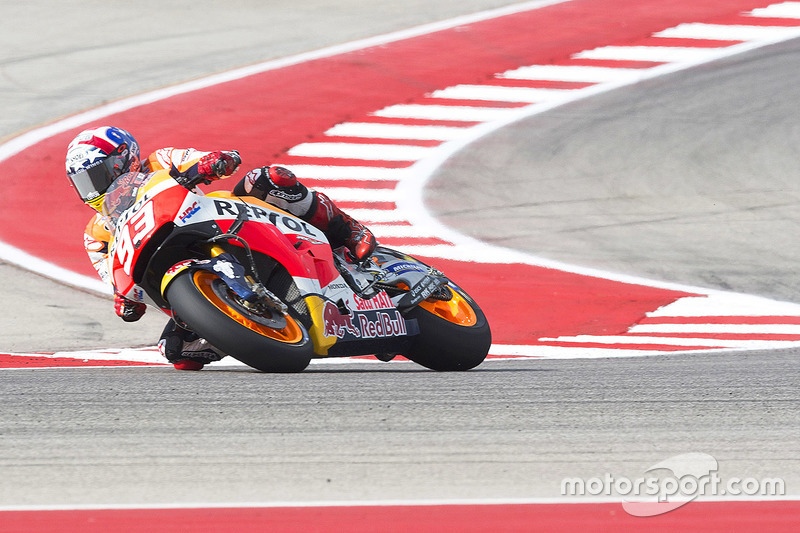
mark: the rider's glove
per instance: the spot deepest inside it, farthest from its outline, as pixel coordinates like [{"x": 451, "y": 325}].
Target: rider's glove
[
  {"x": 210, "y": 167},
  {"x": 128, "y": 310},
  {"x": 217, "y": 164}
]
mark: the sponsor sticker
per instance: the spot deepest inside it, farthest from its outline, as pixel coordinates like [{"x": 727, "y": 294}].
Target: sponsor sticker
[
  {"x": 387, "y": 324},
  {"x": 363, "y": 325},
  {"x": 337, "y": 324},
  {"x": 399, "y": 267},
  {"x": 189, "y": 211},
  {"x": 379, "y": 301}
]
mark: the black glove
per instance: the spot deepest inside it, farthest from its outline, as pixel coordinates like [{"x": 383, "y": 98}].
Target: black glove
[{"x": 128, "y": 310}]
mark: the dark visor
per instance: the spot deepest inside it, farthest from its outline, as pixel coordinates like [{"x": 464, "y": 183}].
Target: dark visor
[{"x": 93, "y": 181}]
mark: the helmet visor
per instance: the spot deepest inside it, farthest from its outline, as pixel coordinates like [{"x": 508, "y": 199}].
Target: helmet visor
[{"x": 93, "y": 181}]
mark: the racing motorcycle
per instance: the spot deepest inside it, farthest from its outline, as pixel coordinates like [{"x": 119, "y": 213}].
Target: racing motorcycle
[{"x": 266, "y": 288}]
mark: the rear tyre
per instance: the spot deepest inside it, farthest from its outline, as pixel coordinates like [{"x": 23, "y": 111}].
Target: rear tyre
[
  {"x": 454, "y": 333},
  {"x": 266, "y": 340}
]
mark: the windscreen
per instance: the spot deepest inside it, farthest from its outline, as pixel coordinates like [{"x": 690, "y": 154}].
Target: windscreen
[{"x": 122, "y": 194}]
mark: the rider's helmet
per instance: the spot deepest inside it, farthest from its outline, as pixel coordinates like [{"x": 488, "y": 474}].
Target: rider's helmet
[{"x": 96, "y": 157}]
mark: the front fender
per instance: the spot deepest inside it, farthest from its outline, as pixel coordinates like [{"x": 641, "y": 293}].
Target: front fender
[
  {"x": 173, "y": 272},
  {"x": 224, "y": 265}
]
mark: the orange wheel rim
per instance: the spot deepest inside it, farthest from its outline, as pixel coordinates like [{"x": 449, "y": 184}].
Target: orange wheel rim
[
  {"x": 291, "y": 333},
  {"x": 456, "y": 310}
]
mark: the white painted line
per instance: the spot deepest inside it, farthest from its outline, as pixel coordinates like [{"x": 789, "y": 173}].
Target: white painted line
[
  {"x": 368, "y": 216},
  {"x": 750, "y": 329},
  {"x": 726, "y": 304},
  {"x": 27, "y": 139},
  {"x": 659, "y": 54},
  {"x": 574, "y": 73},
  {"x": 332, "y": 172},
  {"x": 357, "y": 503},
  {"x": 790, "y": 10},
  {"x": 674, "y": 341},
  {"x": 372, "y": 152},
  {"x": 476, "y": 252},
  {"x": 397, "y": 131},
  {"x": 445, "y": 112},
  {"x": 23, "y": 259},
  {"x": 729, "y": 32},
  {"x": 344, "y": 194},
  {"x": 137, "y": 355},
  {"x": 501, "y": 94},
  {"x": 565, "y": 352},
  {"x": 389, "y": 231}
]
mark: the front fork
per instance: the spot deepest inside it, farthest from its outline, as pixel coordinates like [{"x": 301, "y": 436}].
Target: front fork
[{"x": 235, "y": 276}]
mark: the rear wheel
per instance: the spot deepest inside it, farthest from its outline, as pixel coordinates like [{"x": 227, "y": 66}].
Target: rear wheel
[
  {"x": 257, "y": 335},
  {"x": 454, "y": 333}
]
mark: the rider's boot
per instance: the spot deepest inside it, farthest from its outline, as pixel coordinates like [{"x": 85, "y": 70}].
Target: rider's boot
[
  {"x": 184, "y": 349},
  {"x": 341, "y": 228}
]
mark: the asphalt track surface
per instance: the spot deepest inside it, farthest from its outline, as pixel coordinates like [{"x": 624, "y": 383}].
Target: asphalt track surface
[{"x": 712, "y": 148}]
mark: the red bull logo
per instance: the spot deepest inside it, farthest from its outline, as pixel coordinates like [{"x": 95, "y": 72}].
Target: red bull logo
[
  {"x": 337, "y": 324},
  {"x": 384, "y": 326}
]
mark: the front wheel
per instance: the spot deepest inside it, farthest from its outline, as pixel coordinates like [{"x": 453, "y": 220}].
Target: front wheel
[
  {"x": 262, "y": 338},
  {"x": 454, "y": 333}
]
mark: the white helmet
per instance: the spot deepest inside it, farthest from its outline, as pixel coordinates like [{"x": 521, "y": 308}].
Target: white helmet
[{"x": 97, "y": 157}]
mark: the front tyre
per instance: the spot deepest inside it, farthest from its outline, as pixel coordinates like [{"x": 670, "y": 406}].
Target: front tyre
[
  {"x": 454, "y": 333},
  {"x": 266, "y": 340}
]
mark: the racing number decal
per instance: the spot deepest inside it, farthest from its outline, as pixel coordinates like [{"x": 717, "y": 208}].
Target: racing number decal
[{"x": 142, "y": 223}]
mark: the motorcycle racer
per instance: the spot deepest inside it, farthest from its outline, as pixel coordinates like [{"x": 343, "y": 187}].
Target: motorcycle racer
[{"x": 97, "y": 157}]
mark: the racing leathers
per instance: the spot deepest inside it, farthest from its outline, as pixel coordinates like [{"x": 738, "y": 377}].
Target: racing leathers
[{"x": 279, "y": 187}]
